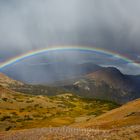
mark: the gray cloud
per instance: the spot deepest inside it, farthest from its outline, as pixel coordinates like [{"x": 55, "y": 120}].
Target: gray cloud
[{"x": 32, "y": 24}]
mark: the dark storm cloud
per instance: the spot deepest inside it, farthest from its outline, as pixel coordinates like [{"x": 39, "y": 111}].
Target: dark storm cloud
[{"x": 31, "y": 24}]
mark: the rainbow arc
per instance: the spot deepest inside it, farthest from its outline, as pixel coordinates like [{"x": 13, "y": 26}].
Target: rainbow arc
[{"x": 65, "y": 48}]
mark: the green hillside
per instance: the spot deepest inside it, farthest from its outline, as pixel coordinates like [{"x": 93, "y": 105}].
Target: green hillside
[{"x": 22, "y": 111}]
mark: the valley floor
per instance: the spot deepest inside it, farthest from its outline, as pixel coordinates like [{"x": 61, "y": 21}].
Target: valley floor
[{"x": 70, "y": 133}]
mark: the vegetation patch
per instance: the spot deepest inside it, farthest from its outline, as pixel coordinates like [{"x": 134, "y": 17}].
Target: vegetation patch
[{"x": 27, "y": 111}]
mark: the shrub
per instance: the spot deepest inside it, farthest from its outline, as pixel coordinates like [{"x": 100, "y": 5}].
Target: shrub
[
  {"x": 8, "y": 128},
  {"x": 14, "y": 113},
  {"x": 19, "y": 120},
  {"x": 4, "y": 118},
  {"x": 4, "y": 99},
  {"x": 29, "y": 101},
  {"x": 21, "y": 109}
]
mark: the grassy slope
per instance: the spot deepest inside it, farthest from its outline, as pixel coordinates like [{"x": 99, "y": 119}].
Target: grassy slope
[
  {"x": 21, "y": 111},
  {"x": 126, "y": 115}
]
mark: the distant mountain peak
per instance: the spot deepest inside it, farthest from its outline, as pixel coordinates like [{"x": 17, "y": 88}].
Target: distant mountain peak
[
  {"x": 112, "y": 70},
  {"x": 109, "y": 74}
]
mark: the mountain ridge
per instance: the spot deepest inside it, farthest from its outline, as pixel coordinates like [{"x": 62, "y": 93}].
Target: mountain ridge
[{"x": 106, "y": 83}]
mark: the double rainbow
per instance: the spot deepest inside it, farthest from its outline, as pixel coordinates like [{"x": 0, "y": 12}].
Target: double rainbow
[{"x": 65, "y": 48}]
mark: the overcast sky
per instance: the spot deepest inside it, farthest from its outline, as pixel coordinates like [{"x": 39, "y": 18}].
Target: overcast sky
[{"x": 30, "y": 24}]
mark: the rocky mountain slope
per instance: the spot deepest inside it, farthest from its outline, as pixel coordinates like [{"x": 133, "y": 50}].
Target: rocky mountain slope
[
  {"x": 109, "y": 84},
  {"x": 102, "y": 83}
]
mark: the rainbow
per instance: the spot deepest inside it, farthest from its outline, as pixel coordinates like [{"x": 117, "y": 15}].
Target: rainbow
[{"x": 64, "y": 48}]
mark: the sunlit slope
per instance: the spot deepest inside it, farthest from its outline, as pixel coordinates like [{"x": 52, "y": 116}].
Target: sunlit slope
[
  {"x": 22, "y": 111},
  {"x": 7, "y": 81},
  {"x": 126, "y": 115}
]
